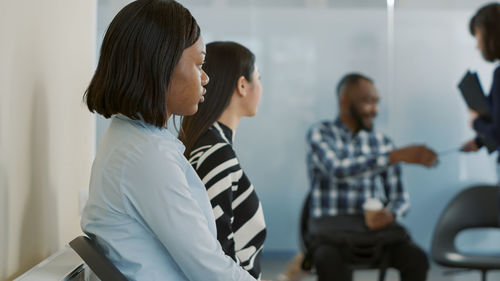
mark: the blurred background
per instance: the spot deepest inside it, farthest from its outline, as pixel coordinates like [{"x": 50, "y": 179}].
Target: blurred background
[{"x": 416, "y": 52}]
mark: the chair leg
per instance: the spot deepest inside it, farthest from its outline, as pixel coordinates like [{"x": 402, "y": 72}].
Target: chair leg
[{"x": 381, "y": 274}]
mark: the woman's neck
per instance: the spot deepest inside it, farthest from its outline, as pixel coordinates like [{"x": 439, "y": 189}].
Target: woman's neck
[{"x": 230, "y": 118}]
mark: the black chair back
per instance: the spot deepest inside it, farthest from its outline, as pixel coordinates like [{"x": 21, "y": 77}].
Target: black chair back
[
  {"x": 474, "y": 207},
  {"x": 91, "y": 254}
]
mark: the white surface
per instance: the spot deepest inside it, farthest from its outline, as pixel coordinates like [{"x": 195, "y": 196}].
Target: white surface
[
  {"x": 47, "y": 54},
  {"x": 54, "y": 268}
]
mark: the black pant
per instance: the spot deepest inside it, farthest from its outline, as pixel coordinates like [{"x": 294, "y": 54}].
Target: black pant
[{"x": 409, "y": 259}]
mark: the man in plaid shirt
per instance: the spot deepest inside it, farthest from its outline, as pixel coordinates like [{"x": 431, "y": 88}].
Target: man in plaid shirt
[{"x": 349, "y": 162}]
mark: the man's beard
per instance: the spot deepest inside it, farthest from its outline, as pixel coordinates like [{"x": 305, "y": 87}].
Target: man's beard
[{"x": 359, "y": 120}]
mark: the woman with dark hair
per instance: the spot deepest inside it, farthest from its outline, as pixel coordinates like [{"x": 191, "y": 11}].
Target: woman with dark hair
[
  {"x": 234, "y": 92},
  {"x": 485, "y": 27},
  {"x": 148, "y": 210}
]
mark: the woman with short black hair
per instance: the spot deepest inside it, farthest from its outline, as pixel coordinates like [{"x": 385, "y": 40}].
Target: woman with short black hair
[
  {"x": 148, "y": 209},
  {"x": 485, "y": 27},
  {"x": 234, "y": 92}
]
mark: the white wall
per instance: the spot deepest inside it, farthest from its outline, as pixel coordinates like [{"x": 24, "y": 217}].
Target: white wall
[{"x": 47, "y": 55}]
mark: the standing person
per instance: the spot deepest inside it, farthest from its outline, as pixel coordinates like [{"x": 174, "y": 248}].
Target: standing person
[
  {"x": 234, "y": 92},
  {"x": 485, "y": 27},
  {"x": 350, "y": 162},
  {"x": 148, "y": 209}
]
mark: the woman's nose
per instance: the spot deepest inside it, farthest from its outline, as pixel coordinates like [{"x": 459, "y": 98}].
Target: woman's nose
[{"x": 204, "y": 79}]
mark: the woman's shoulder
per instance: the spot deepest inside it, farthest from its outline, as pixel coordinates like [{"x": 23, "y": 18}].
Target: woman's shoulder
[
  {"x": 209, "y": 138},
  {"x": 212, "y": 154},
  {"x": 136, "y": 133},
  {"x": 496, "y": 73},
  {"x": 134, "y": 145},
  {"x": 495, "y": 88},
  {"x": 211, "y": 141}
]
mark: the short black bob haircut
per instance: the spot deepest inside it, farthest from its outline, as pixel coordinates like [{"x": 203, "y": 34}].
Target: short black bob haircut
[
  {"x": 487, "y": 19},
  {"x": 140, "y": 50}
]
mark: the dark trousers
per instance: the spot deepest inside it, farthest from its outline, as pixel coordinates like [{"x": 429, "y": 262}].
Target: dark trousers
[{"x": 409, "y": 259}]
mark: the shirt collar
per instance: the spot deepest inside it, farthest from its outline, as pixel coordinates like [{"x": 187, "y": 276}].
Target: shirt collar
[
  {"x": 161, "y": 131},
  {"x": 139, "y": 121},
  {"x": 339, "y": 124},
  {"x": 225, "y": 132}
]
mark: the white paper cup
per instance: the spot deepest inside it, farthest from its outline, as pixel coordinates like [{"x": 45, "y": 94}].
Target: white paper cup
[{"x": 371, "y": 207}]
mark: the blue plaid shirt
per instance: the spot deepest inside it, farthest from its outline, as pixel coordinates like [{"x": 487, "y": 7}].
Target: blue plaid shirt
[{"x": 345, "y": 169}]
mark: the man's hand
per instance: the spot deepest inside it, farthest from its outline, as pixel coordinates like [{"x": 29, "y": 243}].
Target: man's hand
[
  {"x": 473, "y": 116},
  {"x": 379, "y": 220},
  {"x": 469, "y": 146},
  {"x": 414, "y": 154}
]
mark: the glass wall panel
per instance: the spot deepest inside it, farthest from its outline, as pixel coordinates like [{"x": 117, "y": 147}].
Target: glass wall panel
[{"x": 304, "y": 47}]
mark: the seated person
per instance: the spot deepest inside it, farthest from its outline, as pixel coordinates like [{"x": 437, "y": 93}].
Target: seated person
[
  {"x": 349, "y": 162},
  {"x": 233, "y": 93},
  {"x": 148, "y": 209}
]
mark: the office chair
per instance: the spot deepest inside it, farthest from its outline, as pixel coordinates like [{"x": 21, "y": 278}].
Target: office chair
[
  {"x": 474, "y": 207},
  {"x": 91, "y": 254},
  {"x": 306, "y": 244}
]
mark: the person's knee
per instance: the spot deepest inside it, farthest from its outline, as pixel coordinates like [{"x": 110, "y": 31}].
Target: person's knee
[
  {"x": 326, "y": 256},
  {"x": 419, "y": 259},
  {"x": 409, "y": 258}
]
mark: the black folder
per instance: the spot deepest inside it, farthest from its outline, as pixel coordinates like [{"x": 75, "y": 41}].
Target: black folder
[{"x": 473, "y": 94}]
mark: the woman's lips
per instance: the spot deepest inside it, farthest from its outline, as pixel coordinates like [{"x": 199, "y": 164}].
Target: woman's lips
[{"x": 202, "y": 98}]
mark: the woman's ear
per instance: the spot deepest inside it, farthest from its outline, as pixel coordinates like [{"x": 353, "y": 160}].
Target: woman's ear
[{"x": 242, "y": 86}]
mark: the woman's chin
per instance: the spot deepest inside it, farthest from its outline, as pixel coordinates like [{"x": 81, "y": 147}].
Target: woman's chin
[{"x": 191, "y": 112}]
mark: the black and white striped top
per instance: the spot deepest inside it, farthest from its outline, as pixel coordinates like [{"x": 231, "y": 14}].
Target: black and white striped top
[{"x": 241, "y": 228}]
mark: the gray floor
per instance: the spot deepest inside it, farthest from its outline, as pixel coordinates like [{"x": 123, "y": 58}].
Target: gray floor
[{"x": 273, "y": 266}]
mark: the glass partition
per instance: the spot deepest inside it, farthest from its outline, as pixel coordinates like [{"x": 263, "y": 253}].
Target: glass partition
[{"x": 416, "y": 56}]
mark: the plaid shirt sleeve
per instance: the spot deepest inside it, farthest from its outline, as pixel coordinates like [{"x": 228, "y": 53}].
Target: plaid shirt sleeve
[
  {"x": 399, "y": 200},
  {"x": 397, "y": 196},
  {"x": 324, "y": 154}
]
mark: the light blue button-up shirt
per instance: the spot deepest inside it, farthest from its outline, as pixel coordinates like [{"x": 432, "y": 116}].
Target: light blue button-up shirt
[{"x": 149, "y": 210}]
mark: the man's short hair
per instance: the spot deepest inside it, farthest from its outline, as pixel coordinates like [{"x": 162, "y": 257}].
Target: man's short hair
[{"x": 349, "y": 80}]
